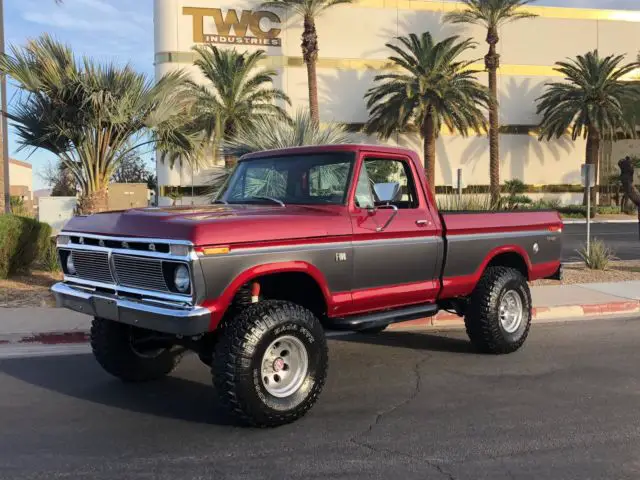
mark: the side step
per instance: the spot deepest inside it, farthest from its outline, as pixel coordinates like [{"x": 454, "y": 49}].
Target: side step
[{"x": 381, "y": 319}]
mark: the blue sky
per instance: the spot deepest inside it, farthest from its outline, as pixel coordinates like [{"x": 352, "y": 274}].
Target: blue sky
[{"x": 122, "y": 31}]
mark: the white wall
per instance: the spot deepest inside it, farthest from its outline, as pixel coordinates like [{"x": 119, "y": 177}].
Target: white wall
[
  {"x": 19, "y": 175},
  {"x": 56, "y": 211},
  {"x": 352, "y": 48}
]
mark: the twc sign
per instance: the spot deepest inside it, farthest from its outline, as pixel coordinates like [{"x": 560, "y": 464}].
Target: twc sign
[{"x": 243, "y": 27}]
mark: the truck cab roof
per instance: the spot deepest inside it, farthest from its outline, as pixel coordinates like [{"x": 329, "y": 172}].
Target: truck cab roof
[{"x": 344, "y": 147}]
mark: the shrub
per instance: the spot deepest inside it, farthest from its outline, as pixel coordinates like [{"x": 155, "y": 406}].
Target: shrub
[
  {"x": 515, "y": 187},
  {"x": 48, "y": 259},
  {"x": 598, "y": 257},
  {"x": 23, "y": 241},
  {"x": 468, "y": 201}
]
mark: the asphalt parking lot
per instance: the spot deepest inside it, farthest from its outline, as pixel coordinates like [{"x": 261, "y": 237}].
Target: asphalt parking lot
[
  {"x": 398, "y": 405},
  {"x": 622, "y": 238}
]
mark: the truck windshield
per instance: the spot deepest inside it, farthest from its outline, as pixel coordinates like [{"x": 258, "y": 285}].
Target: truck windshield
[{"x": 321, "y": 178}]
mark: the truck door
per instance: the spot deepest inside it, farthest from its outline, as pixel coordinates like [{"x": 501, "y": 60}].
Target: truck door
[{"x": 396, "y": 243}]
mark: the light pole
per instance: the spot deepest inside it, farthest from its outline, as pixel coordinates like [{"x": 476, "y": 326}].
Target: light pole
[{"x": 5, "y": 132}]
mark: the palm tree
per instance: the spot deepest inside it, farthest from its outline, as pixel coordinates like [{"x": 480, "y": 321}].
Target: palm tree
[
  {"x": 491, "y": 14},
  {"x": 592, "y": 102},
  {"x": 309, "y": 11},
  {"x": 238, "y": 94},
  {"x": 266, "y": 134},
  {"x": 432, "y": 88},
  {"x": 91, "y": 116}
]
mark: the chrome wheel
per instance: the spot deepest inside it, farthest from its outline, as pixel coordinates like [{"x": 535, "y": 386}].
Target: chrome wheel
[
  {"x": 284, "y": 366},
  {"x": 511, "y": 311}
]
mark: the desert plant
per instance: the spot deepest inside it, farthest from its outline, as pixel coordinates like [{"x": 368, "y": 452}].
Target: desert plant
[
  {"x": 492, "y": 15},
  {"x": 589, "y": 103},
  {"x": 432, "y": 88},
  {"x": 472, "y": 201},
  {"x": 598, "y": 256},
  {"x": 309, "y": 11},
  {"x": 91, "y": 115}
]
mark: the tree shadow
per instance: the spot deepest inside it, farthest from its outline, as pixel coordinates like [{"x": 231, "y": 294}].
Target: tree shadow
[
  {"x": 342, "y": 93},
  {"x": 172, "y": 397},
  {"x": 433, "y": 342},
  {"x": 407, "y": 22}
]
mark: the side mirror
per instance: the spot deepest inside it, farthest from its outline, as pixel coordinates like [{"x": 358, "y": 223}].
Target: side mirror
[{"x": 387, "y": 192}]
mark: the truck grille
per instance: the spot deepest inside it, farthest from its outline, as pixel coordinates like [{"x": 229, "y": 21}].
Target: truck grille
[
  {"x": 92, "y": 266},
  {"x": 140, "y": 272}
]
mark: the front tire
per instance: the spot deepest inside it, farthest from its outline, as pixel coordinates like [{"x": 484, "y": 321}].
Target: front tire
[
  {"x": 498, "y": 317},
  {"x": 270, "y": 363},
  {"x": 117, "y": 348}
]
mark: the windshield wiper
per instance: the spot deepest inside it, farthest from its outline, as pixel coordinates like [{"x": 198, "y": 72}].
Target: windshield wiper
[
  {"x": 274, "y": 200},
  {"x": 221, "y": 201}
]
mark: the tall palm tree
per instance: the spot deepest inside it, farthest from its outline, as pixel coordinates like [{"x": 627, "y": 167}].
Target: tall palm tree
[
  {"x": 592, "y": 102},
  {"x": 491, "y": 14},
  {"x": 237, "y": 93},
  {"x": 91, "y": 116},
  {"x": 432, "y": 88},
  {"x": 309, "y": 11}
]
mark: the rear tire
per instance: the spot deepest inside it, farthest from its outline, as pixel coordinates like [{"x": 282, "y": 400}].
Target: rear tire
[
  {"x": 270, "y": 363},
  {"x": 498, "y": 317},
  {"x": 113, "y": 346}
]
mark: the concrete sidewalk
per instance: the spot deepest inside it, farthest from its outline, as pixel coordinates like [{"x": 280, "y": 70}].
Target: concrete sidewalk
[{"x": 551, "y": 303}]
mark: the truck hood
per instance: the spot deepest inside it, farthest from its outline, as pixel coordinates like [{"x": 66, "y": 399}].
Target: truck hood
[{"x": 218, "y": 224}]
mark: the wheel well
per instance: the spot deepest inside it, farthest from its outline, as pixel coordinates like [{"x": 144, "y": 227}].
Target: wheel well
[
  {"x": 511, "y": 260},
  {"x": 296, "y": 287}
]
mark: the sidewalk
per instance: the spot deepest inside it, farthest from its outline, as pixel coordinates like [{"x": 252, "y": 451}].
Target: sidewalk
[{"x": 551, "y": 304}]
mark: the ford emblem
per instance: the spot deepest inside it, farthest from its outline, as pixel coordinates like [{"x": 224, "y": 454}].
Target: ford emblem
[
  {"x": 125, "y": 245},
  {"x": 101, "y": 243},
  {"x": 152, "y": 247}
]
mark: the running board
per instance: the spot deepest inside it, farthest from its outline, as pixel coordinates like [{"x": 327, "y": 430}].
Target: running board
[{"x": 382, "y": 319}]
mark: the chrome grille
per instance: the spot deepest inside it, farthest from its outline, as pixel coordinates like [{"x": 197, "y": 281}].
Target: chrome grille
[
  {"x": 92, "y": 266},
  {"x": 140, "y": 272}
]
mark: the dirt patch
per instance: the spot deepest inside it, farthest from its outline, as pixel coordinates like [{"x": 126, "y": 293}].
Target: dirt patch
[
  {"x": 619, "y": 271},
  {"x": 28, "y": 290}
]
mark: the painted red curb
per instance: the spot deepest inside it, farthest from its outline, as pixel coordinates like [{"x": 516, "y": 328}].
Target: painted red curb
[{"x": 442, "y": 319}]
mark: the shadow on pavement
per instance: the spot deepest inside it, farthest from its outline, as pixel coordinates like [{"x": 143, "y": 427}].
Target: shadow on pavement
[
  {"x": 80, "y": 377},
  {"x": 412, "y": 340}
]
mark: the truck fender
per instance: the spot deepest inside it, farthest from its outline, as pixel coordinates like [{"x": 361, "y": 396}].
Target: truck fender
[
  {"x": 219, "y": 306},
  {"x": 493, "y": 254}
]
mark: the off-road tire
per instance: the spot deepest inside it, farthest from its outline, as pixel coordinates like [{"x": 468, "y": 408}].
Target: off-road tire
[
  {"x": 237, "y": 360},
  {"x": 482, "y": 319},
  {"x": 112, "y": 348}
]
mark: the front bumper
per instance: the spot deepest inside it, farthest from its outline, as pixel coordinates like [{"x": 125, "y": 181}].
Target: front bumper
[{"x": 179, "y": 321}]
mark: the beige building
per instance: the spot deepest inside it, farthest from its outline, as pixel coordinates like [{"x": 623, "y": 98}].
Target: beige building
[{"x": 352, "y": 51}]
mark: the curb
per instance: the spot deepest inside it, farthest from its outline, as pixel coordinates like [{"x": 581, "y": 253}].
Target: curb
[
  {"x": 603, "y": 311},
  {"x": 443, "y": 320}
]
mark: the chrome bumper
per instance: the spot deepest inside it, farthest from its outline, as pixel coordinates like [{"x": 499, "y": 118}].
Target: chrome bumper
[{"x": 178, "y": 321}]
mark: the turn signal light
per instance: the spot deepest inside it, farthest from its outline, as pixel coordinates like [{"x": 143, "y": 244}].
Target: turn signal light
[{"x": 214, "y": 250}]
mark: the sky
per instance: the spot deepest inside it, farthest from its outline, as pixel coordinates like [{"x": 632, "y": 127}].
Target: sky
[{"x": 122, "y": 31}]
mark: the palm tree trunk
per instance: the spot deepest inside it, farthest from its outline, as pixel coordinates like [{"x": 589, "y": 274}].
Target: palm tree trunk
[
  {"x": 429, "y": 151},
  {"x": 310, "y": 56},
  {"x": 492, "y": 63},
  {"x": 93, "y": 202},
  {"x": 592, "y": 158}
]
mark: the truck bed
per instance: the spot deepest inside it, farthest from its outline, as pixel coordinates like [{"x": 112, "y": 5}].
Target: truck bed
[{"x": 473, "y": 239}]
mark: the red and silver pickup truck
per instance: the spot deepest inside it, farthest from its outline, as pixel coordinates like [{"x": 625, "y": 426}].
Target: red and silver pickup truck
[{"x": 298, "y": 241}]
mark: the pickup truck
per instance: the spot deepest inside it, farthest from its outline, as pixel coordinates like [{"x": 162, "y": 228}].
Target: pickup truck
[{"x": 298, "y": 241}]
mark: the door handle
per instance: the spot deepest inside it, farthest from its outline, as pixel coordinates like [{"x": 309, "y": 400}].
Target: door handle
[{"x": 422, "y": 222}]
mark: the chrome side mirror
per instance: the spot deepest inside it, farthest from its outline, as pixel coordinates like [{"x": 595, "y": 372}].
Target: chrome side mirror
[{"x": 387, "y": 192}]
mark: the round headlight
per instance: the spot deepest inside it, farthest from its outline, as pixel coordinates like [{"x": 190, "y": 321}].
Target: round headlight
[
  {"x": 181, "y": 279},
  {"x": 71, "y": 268}
]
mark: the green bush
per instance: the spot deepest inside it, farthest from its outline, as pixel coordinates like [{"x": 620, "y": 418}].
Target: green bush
[
  {"x": 598, "y": 257},
  {"x": 23, "y": 242}
]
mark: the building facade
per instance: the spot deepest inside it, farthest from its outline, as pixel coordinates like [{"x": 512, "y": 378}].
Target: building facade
[{"x": 352, "y": 42}]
